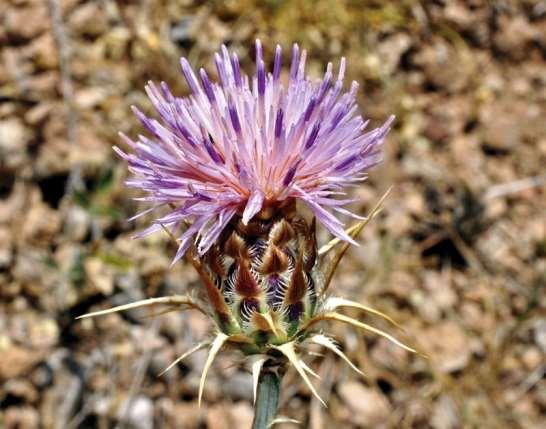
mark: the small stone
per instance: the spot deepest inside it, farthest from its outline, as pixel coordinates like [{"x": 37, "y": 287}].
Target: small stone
[
  {"x": 116, "y": 42},
  {"x": 182, "y": 31},
  {"x": 77, "y": 223},
  {"x": 89, "y": 19},
  {"x": 514, "y": 36},
  {"x": 398, "y": 221},
  {"x": 391, "y": 50},
  {"x": 370, "y": 407},
  {"x": 21, "y": 418},
  {"x": 102, "y": 406},
  {"x": 91, "y": 151},
  {"x": 495, "y": 208},
  {"x": 14, "y": 139},
  {"x": 17, "y": 361},
  {"x": 6, "y": 247},
  {"x": 59, "y": 403},
  {"x": 147, "y": 339},
  {"x": 448, "y": 346},
  {"x": 22, "y": 389},
  {"x": 44, "y": 85},
  {"x": 41, "y": 224},
  {"x": 456, "y": 12},
  {"x": 532, "y": 358},
  {"x": 500, "y": 131},
  {"x": 218, "y": 417},
  {"x": 389, "y": 355},
  {"x": 138, "y": 412},
  {"x": 44, "y": 52},
  {"x": 28, "y": 268},
  {"x": 26, "y": 22},
  {"x": 540, "y": 334},
  {"x": 172, "y": 325},
  {"x": 99, "y": 275},
  {"x": 38, "y": 113},
  {"x": 441, "y": 292},
  {"x": 42, "y": 376},
  {"x": 445, "y": 414},
  {"x": 444, "y": 66},
  {"x": 88, "y": 98},
  {"x": 415, "y": 203},
  {"x": 43, "y": 332},
  {"x": 187, "y": 415},
  {"x": 242, "y": 414},
  {"x": 53, "y": 157},
  {"x": 238, "y": 386}
]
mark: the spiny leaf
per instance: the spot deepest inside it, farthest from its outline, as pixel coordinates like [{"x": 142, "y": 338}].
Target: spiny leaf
[
  {"x": 327, "y": 342},
  {"x": 333, "y": 303},
  {"x": 256, "y": 370},
  {"x": 353, "y": 232},
  {"x": 177, "y": 300},
  {"x": 217, "y": 344},
  {"x": 288, "y": 350},
  {"x": 191, "y": 351},
  {"x": 342, "y": 318}
]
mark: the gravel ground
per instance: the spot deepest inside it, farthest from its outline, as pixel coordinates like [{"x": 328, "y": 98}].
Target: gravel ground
[{"x": 458, "y": 255}]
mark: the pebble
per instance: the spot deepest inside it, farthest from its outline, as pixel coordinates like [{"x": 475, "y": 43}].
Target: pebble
[
  {"x": 448, "y": 346},
  {"x": 370, "y": 407},
  {"x": 17, "y": 361},
  {"x": 140, "y": 414},
  {"x": 445, "y": 414},
  {"x": 14, "y": 139}
]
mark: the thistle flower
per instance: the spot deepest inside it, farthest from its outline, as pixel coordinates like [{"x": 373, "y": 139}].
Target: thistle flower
[{"x": 230, "y": 161}]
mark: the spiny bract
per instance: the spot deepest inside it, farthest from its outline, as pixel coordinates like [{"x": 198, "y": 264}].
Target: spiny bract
[{"x": 231, "y": 160}]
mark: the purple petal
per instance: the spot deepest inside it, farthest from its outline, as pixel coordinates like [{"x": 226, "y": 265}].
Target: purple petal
[
  {"x": 290, "y": 175},
  {"x": 278, "y": 123},
  {"x": 209, "y": 91},
  {"x": 295, "y": 61},
  {"x": 261, "y": 78},
  {"x": 312, "y": 136},
  {"x": 278, "y": 63},
  {"x": 190, "y": 77},
  {"x": 212, "y": 234},
  {"x": 236, "y": 70},
  {"x": 234, "y": 118}
]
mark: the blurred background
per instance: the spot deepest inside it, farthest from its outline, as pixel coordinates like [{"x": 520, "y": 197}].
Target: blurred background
[{"x": 458, "y": 255}]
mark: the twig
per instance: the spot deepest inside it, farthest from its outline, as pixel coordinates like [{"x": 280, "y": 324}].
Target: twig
[
  {"x": 530, "y": 381},
  {"x": 74, "y": 180},
  {"x": 515, "y": 186},
  {"x": 71, "y": 396},
  {"x": 143, "y": 364}
]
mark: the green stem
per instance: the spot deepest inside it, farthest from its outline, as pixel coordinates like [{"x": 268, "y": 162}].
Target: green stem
[{"x": 267, "y": 400}]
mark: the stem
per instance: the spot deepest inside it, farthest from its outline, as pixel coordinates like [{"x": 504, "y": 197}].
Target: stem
[{"x": 267, "y": 400}]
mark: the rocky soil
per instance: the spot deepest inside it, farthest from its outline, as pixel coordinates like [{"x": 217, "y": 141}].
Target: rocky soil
[{"x": 458, "y": 255}]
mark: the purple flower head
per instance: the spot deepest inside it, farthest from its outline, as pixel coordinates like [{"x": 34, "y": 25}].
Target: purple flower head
[{"x": 249, "y": 142}]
